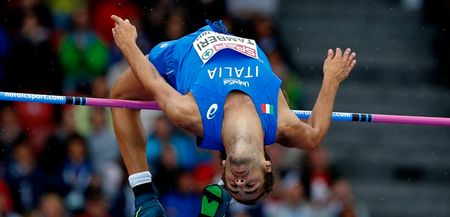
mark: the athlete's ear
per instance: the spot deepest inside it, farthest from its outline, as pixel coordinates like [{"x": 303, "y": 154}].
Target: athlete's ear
[
  {"x": 224, "y": 163},
  {"x": 267, "y": 166}
]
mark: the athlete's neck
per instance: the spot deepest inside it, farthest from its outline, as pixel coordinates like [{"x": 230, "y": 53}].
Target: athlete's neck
[{"x": 242, "y": 133}]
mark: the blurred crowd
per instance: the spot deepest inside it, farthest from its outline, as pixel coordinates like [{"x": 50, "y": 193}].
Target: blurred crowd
[
  {"x": 58, "y": 161},
  {"x": 437, "y": 14}
]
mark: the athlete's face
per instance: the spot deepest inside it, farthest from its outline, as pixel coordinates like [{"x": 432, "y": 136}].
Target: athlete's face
[{"x": 244, "y": 178}]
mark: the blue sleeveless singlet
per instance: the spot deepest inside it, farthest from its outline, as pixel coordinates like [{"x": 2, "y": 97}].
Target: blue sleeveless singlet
[{"x": 210, "y": 64}]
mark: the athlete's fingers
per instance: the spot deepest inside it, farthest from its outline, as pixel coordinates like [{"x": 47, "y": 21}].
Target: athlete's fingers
[
  {"x": 127, "y": 21},
  {"x": 330, "y": 54},
  {"x": 338, "y": 52},
  {"x": 351, "y": 58},
  {"x": 352, "y": 65},
  {"x": 117, "y": 19},
  {"x": 347, "y": 54}
]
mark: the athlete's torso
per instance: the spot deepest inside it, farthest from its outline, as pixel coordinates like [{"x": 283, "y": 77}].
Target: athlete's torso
[{"x": 210, "y": 65}]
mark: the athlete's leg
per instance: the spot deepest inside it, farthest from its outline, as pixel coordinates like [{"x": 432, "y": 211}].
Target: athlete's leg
[
  {"x": 128, "y": 127},
  {"x": 131, "y": 137}
]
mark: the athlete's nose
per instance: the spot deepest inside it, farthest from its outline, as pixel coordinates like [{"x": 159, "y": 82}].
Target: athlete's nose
[{"x": 239, "y": 181}]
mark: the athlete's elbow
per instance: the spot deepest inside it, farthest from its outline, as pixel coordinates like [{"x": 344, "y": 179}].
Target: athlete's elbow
[
  {"x": 305, "y": 143},
  {"x": 176, "y": 112},
  {"x": 316, "y": 137},
  {"x": 312, "y": 144}
]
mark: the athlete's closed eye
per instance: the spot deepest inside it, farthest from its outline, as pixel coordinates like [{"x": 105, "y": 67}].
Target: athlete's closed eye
[
  {"x": 251, "y": 192},
  {"x": 234, "y": 192}
]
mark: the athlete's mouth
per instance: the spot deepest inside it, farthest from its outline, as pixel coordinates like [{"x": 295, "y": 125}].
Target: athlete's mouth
[{"x": 239, "y": 172}]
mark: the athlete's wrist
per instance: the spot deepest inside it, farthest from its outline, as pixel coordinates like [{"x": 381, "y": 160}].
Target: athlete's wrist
[
  {"x": 331, "y": 82},
  {"x": 129, "y": 48}
]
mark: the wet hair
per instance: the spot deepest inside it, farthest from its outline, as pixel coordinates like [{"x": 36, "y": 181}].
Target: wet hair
[{"x": 269, "y": 180}]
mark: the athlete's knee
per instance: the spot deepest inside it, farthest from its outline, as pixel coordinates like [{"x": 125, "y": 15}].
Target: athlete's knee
[
  {"x": 117, "y": 92},
  {"x": 122, "y": 89},
  {"x": 128, "y": 87}
]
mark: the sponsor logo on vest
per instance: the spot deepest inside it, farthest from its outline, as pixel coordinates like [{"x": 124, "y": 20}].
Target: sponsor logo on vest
[
  {"x": 233, "y": 81},
  {"x": 207, "y": 54},
  {"x": 211, "y": 113},
  {"x": 208, "y": 43}
]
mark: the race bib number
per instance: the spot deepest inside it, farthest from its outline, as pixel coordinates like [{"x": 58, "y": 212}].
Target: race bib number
[{"x": 208, "y": 43}]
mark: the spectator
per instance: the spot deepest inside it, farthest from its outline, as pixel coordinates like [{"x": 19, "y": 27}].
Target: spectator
[
  {"x": 185, "y": 201},
  {"x": 176, "y": 24},
  {"x": 38, "y": 120},
  {"x": 10, "y": 130},
  {"x": 51, "y": 162},
  {"x": 56, "y": 144},
  {"x": 154, "y": 19},
  {"x": 22, "y": 176},
  {"x": 77, "y": 171},
  {"x": 164, "y": 141},
  {"x": 268, "y": 37},
  {"x": 104, "y": 152},
  {"x": 17, "y": 11},
  {"x": 343, "y": 203},
  {"x": 208, "y": 172},
  {"x": 99, "y": 87},
  {"x": 291, "y": 81},
  {"x": 245, "y": 9},
  {"x": 62, "y": 11},
  {"x": 42, "y": 72},
  {"x": 265, "y": 33},
  {"x": 6, "y": 201},
  {"x": 122, "y": 202},
  {"x": 84, "y": 56},
  {"x": 51, "y": 205},
  {"x": 82, "y": 114},
  {"x": 102, "y": 143},
  {"x": 317, "y": 176},
  {"x": 95, "y": 204},
  {"x": 54, "y": 153},
  {"x": 293, "y": 202},
  {"x": 202, "y": 10}
]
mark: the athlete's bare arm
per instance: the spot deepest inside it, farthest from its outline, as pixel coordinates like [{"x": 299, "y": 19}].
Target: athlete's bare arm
[
  {"x": 292, "y": 132},
  {"x": 181, "y": 109}
]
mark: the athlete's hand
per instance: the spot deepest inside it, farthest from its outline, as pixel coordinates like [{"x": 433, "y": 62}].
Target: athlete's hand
[
  {"x": 124, "y": 33},
  {"x": 337, "y": 65}
]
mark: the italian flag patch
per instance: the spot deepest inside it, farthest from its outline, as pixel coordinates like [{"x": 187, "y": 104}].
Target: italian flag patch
[{"x": 267, "y": 109}]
